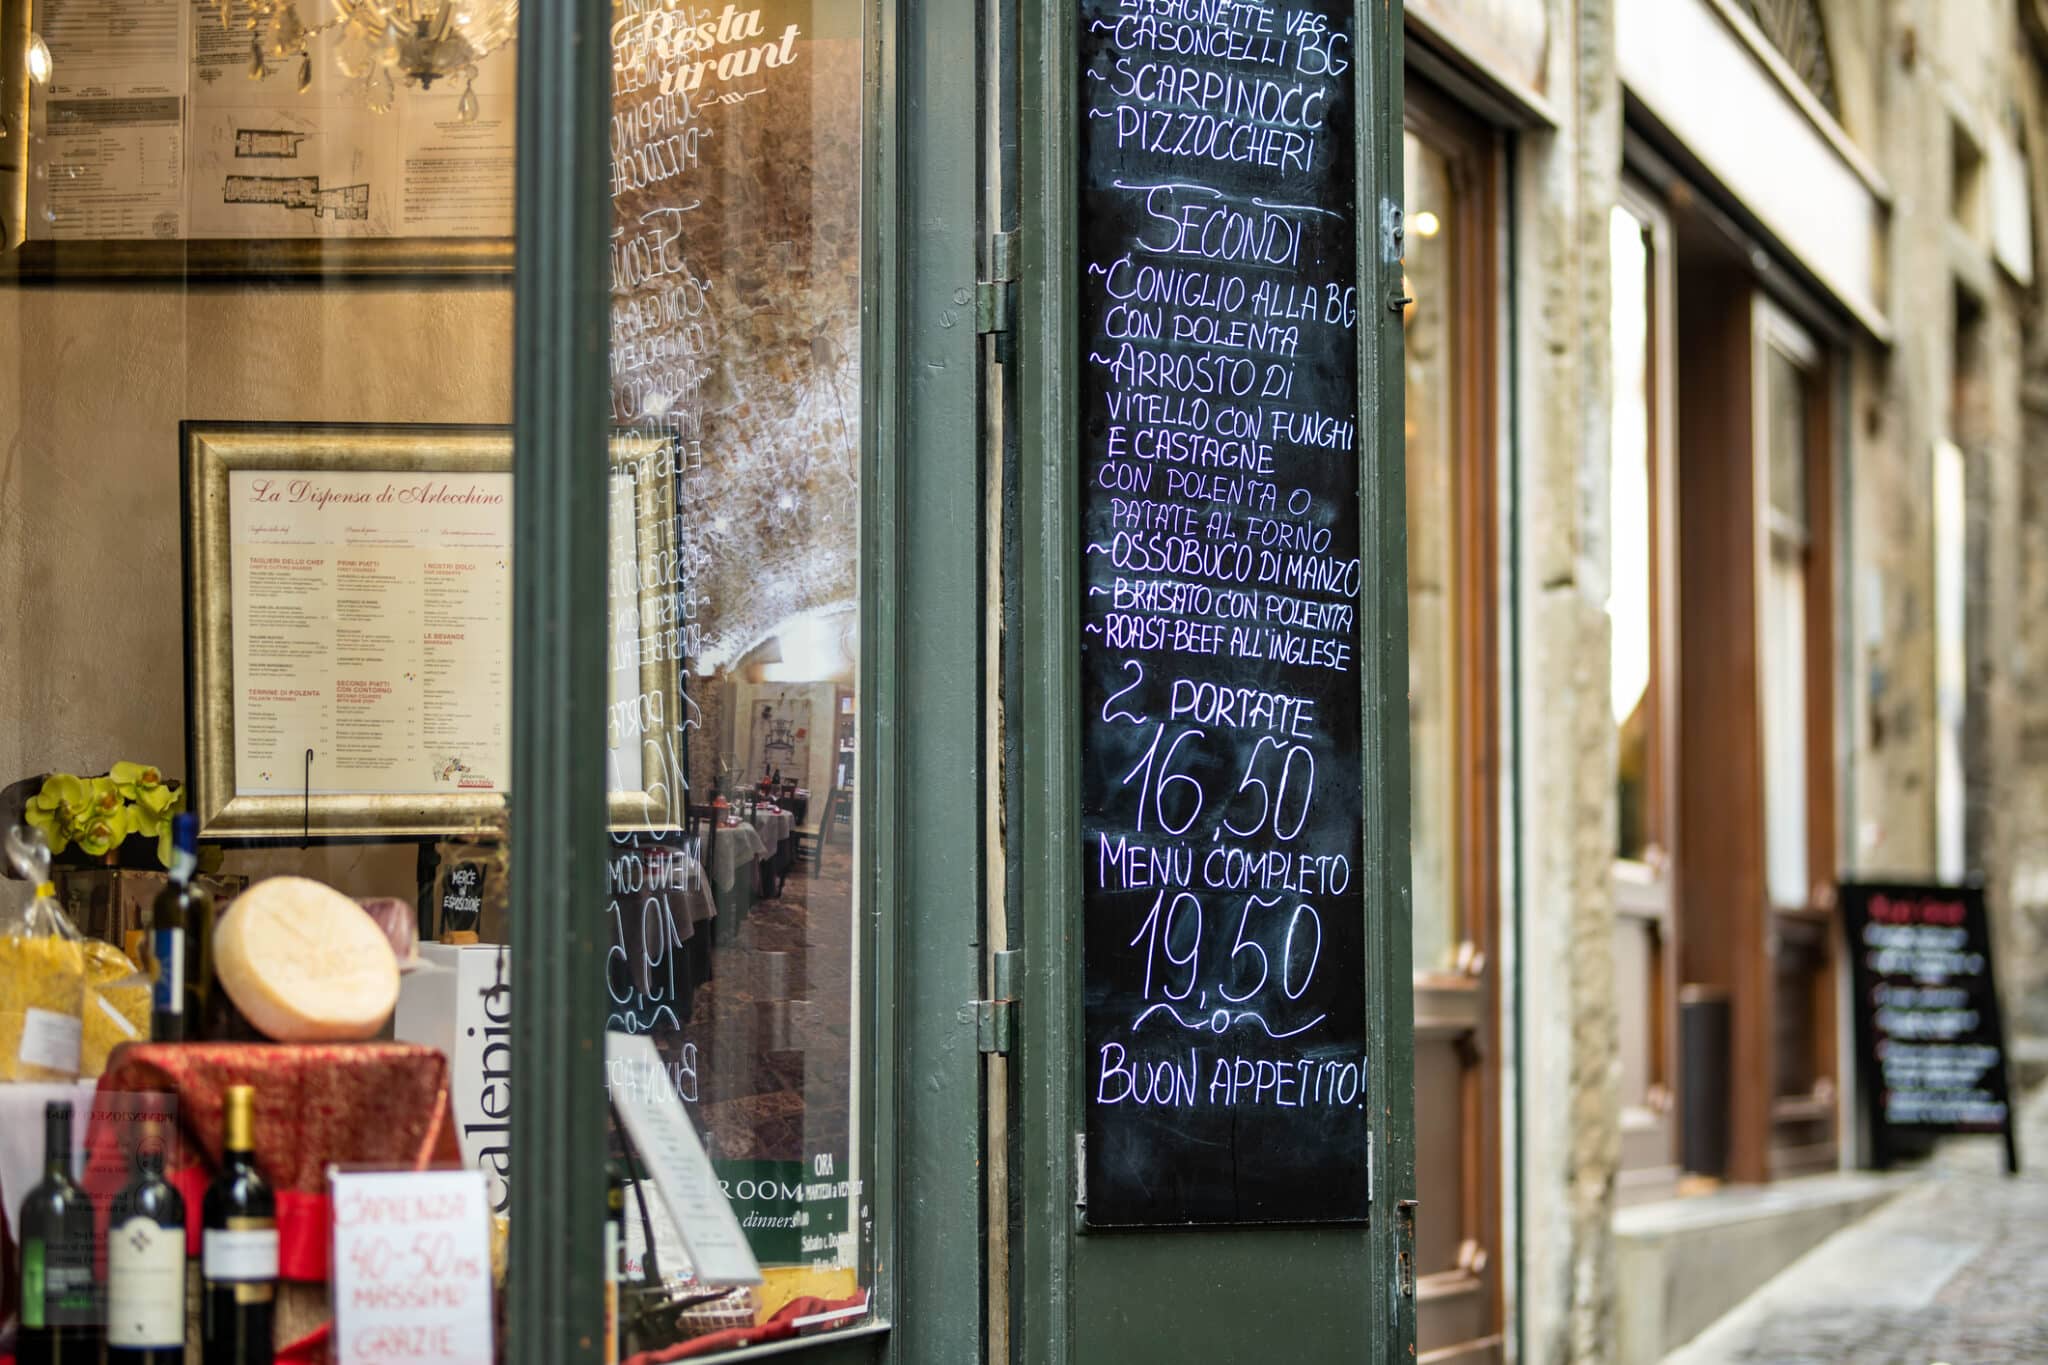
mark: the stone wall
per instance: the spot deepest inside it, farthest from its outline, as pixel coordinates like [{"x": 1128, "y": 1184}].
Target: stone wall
[
  {"x": 1567, "y": 1047},
  {"x": 1907, "y": 75}
]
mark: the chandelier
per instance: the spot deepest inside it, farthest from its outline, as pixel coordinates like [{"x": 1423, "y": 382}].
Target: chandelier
[{"x": 378, "y": 43}]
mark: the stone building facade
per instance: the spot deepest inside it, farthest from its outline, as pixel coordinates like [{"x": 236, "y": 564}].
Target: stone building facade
[{"x": 1843, "y": 369}]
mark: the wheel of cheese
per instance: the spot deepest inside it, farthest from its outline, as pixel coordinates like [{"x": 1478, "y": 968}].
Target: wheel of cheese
[{"x": 304, "y": 964}]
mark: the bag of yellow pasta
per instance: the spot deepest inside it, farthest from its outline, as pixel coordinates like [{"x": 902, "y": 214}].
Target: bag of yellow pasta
[
  {"x": 116, "y": 1005},
  {"x": 42, "y": 976}
]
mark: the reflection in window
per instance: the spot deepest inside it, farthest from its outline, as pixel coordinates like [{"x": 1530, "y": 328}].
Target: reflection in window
[
  {"x": 1630, "y": 575},
  {"x": 1784, "y": 630},
  {"x": 736, "y": 360},
  {"x": 1432, "y": 360}
]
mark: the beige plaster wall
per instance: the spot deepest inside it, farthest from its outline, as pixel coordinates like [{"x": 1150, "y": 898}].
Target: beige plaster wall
[{"x": 93, "y": 384}]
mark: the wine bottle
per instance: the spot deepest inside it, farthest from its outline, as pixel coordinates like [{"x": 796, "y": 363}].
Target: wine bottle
[
  {"x": 146, "y": 1265},
  {"x": 59, "y": 1302},
  {"x": 238, "y": 1245},
  {"x": 181, "y": 943}
]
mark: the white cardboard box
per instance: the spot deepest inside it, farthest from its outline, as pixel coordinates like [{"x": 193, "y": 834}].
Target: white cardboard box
[{"x": 460, "y": 1000}]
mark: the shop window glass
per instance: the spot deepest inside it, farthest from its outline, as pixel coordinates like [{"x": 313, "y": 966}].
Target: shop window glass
[
  {"x": 1951, "y": 662},
  {"x": 1432, "y": 357},
  {"x": 1632, "y": 572},
  {"x": 737, "y": 380},
  {"x": 1784, "y": 664},
  {"x": 256, "y": 372}
]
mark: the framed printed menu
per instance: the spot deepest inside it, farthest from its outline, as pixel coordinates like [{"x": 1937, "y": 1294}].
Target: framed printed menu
[{"x": 348, "y": 621}]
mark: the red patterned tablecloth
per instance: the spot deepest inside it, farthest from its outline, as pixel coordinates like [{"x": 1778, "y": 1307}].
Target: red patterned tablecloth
[
  {"x": 377, "y": 1104},
  {"x": 374, "y": 1104}
]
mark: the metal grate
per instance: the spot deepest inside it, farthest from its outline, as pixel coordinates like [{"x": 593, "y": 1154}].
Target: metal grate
[{"x": 1795, "y": 29}]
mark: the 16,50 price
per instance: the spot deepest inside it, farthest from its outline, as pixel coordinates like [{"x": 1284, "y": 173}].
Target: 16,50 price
[{"x": 1174, "y": 800}]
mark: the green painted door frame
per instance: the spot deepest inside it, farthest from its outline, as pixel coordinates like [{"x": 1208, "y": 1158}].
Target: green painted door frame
[
  {"x": 920, "y": 712},
  {"x": 1220, "y": 1295},
  {"x": 1248, "y": 1294}
]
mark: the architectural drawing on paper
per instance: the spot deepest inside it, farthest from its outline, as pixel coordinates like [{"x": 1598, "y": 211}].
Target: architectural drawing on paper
[
  {"x": 298, "y": 192},
  {"x": 281, "y": 143}
]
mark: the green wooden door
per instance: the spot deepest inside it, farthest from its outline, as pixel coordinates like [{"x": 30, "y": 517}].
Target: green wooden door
[
  {"x": 1181, "y": 112},
  {"x": 916, "y": 824}
]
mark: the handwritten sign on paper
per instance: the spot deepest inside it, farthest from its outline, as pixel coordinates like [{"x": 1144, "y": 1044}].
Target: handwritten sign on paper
[
  {"x": 412, "y": 1267},
  {"x": 1221, "y": 798},
  {"x": 674, "y": 1155}
]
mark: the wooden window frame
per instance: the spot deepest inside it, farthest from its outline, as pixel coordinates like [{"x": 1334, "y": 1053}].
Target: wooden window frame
[
  {"x": 1464, "y": 1000},
  {"x": 1731, "y": 939},
  {"x": 1647, "y": 889},
  {"x": 1810, "y": 925},
  {"x": 1472, "y": 151}
]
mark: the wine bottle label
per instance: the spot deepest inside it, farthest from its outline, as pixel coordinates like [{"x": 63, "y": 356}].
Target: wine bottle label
[
  {"x": 56, "y": 1288},
  {"x": 32, "y": 1284},
  {"x": 146, "y": 1284},
  {"x": 167, "y": 993},
  {"x": 51, "y": 1040},
  {"x": 239, "y": 1255}
]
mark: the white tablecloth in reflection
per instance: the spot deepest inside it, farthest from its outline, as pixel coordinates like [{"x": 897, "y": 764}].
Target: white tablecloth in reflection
[
  {"x": 694, "y": 897},
  {"x": 732, "y": 848},
  {"x": 775, "y": 825}
]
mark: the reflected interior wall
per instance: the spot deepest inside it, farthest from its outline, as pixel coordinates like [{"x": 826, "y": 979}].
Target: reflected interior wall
[{"x": 91, "y": 606}]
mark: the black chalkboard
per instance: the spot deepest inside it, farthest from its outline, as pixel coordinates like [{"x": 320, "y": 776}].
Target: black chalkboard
[
  {"x": 460, "y": 893},
  {"x": 1930, "y": 1040},
  {"x": 1224, "y": 951}
]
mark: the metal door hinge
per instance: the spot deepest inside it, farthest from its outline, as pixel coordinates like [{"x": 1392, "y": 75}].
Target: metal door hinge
[
  {"x": 1405, "y": 1258},
  {"x": 995, "y": 1017},
  {"x": 995, "y": 298}
]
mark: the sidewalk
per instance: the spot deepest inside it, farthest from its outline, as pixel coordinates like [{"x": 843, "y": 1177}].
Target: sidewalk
[{"x": 1955, "y": 1270}]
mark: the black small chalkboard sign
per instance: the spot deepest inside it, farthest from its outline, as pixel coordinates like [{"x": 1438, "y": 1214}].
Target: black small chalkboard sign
[
  {"x": 1220, "y": 585},
  {"x": 1930, "y": 1040},
  {"x": 461, "y": 890}
]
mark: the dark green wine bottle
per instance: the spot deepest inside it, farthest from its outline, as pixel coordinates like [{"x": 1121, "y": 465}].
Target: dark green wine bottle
[
  {"x": 59, "y": 1301},
  {"x": 181, "y": 944},
  {"x": 146, "y": 1265},
  {"x": 238, "y": 1245}
]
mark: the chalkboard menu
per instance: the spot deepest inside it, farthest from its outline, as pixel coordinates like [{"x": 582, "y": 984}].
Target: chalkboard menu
[
  {"x": 1224, "y": 950},
  {"x": 1930, "y": 1041}
]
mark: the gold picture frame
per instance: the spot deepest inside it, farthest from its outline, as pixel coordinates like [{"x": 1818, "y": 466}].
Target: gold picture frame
[
  {"x": 212, "y": 453},
  {"x": 215, "y": 259}
]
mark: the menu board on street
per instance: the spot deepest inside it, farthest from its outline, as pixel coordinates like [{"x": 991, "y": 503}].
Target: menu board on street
[
  {"x": 1225, "y": 1071},
  {"x": 1930, "y": 1041}
]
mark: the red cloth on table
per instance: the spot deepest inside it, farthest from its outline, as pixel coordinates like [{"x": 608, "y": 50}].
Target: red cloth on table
[{"x": 377, "y": 1104}]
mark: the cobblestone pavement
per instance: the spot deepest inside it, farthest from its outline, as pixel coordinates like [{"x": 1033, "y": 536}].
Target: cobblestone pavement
[{"x": 1953, "y": 1271}]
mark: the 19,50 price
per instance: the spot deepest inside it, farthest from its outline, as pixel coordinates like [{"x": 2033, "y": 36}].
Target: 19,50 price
[{"x": 1172, "y": 935}]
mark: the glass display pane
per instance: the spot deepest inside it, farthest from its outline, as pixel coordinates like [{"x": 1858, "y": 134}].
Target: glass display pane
[
  {"x": 1785, "y": 399},
  {"x": 256, "y": 371},
  {"x": 1631, "y": 574},
  {"x": 736, "y": 363},
  {"x": 1432, "y": 431},
  {"x": 1784, "y": 635}
]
